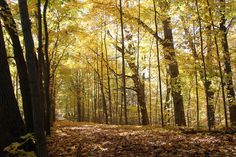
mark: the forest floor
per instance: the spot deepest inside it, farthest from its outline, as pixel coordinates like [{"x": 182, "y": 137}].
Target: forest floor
[{"x": 71, "y": 139}]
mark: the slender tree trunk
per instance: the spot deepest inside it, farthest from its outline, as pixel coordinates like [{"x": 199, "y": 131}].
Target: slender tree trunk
[
  {"x": 189, "y": 108},
  {"x": 83, "y": 98},
  {"x": 149, "y": 84},
  {"x": 192, "y": 45},
  {"x": 78, "y": 97},
  {"x": 98, "y": 88},
  {"x": 104, "y": 104},
  {"x": 158, "y": 63},
  {"x": 95, "y": 97},
  {"x": 168, "y": 97},
  {"x": 219, "y": 65},
  {"x": 138, "y": 51},
  {"x": 47, "y": 70},
  {"x": 34, "y": 81},
  {"x": 123, "y": 63},
  {"x": 41, "y": 61},
  {"x": 11, "y": 123},
  {"x": 53, "y": 86},
  {"x": 157, "y": 102},
  {"x": 11, "y": 28},
  {"x": 195, "y": 74},
  {"x": 117, "y": 81},
  {"x": 227, "y": 68},
  {"x": 108, "y": 77},
  {"x": 210, "y": 117}
]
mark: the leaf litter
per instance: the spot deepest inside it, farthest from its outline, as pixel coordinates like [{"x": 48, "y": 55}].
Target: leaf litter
[{"x": 72, "y": 139}]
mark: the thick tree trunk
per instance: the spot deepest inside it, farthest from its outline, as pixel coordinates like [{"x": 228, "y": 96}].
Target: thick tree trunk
[
  {"x": 34, "y": 81},
  {"x": 141, "y": 99},
  {"x": 11, "y": 123},
  {"x": 139, "y": 86},
  {"x": 173, "y": 66},
  {"x": 227, "y": 68},
  {"x": 208, "y": 83},
  {"x": 11, "y": 28},
  {"x": 174, "y": 73}
]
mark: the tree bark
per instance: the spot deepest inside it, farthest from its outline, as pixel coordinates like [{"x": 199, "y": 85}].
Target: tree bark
[
  {"x": 168, "y": 46},
  {"x": 219, "y": 66},
  {"x": 11, "y": 123},
  {"x": 227, "y": 68},
  {"x": 158, "y": 64},
  {"x": 47, "y": 71},
  {"x": 108, "y": 77},
  {"x": 38, "y": 118},
  {"x": 209, "y": 94},
  {"x": 139, "y": 87},
  {"x": 123, "y": 63},
  {"x": 11, "y": 28},
  {"x": 41, "y": 61}
]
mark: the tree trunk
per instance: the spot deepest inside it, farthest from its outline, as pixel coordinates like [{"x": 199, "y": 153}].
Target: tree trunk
[
  {"x": 173, "y": 65},
  {"x": 79, "y": 106},
  {"x": 158, "y": 63},
  {"x": 11, "y": 28},
  {"x": 38, "y": 118},
  {"x": 123, "y": 63},
  {"x": 108, "y": 77},
  {"x": 141, "y": 99},
  {"x": 209, "y": 94},
  {"x": 227, "y": 68},
  {"x": 47, "y": 71},
  {"x": 41, "y": 62},
  {"x": 101, "y": 79},
  {"x": 168, "y": 98},
  {"x": 174, "y": 73},
  {"x": 11, "y": 123},
  {"x": 219, "y": 65}
]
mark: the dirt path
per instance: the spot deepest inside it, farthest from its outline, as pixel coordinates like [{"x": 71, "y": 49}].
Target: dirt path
[{"x": 94, "y": 140}]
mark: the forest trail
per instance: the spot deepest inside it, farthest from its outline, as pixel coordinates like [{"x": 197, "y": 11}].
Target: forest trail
[{"x": 71, "y": 139}]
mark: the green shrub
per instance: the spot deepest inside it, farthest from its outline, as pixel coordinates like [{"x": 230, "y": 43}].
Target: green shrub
[{"x": 15, "y": 149}]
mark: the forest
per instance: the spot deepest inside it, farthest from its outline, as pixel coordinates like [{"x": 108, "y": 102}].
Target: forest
[{"x": 121, "y": 78}]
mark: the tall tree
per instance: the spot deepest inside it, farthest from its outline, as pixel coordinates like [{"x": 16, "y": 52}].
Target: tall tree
[
  {"x": 11, "y": 28},
  {"x": 170, "y": 56},
  {"x": 38, "y": 118},
  {"x": 123, "y": 62},
  {"x": 108, "y": 75},
  {"x": 11, "y": 123},
  {"x": 47, "y": 70},
  {"x": 101, "y": 78},
  {"x": 158, "y": 63},
  {"x": 219, "y": 64},
  {"x": 207, "y": 83},
  {"x": 41, "y": 62},
  {"x": 227, "y": 66}
]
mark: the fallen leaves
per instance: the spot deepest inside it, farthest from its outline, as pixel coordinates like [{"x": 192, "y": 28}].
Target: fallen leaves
[{"x": 81, "y": 140}]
